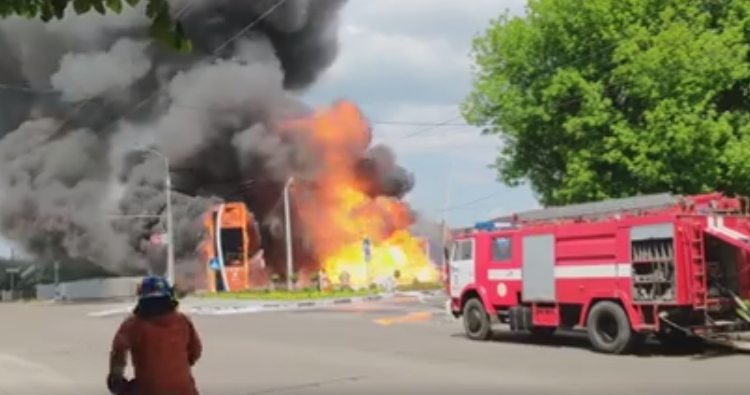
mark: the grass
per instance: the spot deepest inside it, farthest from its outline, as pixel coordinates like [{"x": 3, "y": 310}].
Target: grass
[
  {"x": 305, "y": 294},
  {"x": 436, "y": 286}
]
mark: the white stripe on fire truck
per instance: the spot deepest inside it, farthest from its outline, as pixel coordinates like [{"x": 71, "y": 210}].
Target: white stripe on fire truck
[
  {"x": 611, "y": 270},
  {"x": 716, "y": 223}
]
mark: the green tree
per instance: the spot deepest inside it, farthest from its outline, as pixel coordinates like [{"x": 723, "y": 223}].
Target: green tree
[
  {"x": 611, "y": 98},
  {"x": 163, "y": 28}
]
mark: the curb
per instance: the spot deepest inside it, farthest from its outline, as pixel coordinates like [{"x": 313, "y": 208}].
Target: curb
[
  {"x": 248, "y": 308},
  {"x": 268, "y": 307},
  {"x": 110, "y": 312},
  {"x": 420, "y": 294}
]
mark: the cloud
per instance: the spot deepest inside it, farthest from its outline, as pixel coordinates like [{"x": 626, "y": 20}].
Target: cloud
[
  {"x": 407, "y": 65},
  {"x": 414, "y": 51},
  {"x": 409, "y": 61},
  {"x": 378, "y": 67},
  {"x": 455, "y": 22}
]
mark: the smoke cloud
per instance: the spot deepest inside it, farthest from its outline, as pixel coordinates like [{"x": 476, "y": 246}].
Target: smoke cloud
[{"x": 87, "y": 91}]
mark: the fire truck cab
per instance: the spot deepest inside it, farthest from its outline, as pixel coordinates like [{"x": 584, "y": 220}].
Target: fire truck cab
[{"x": 671, "y": 266}]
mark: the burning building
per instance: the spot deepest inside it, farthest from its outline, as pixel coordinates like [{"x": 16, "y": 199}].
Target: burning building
[{"x": 84, "y": 92}]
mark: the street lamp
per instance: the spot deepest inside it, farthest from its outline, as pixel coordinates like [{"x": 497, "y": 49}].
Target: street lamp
[
  {"x": 170, "y": 235},
  {"x": 288, "y": 234},
  {"x": 446, "y": 205}
]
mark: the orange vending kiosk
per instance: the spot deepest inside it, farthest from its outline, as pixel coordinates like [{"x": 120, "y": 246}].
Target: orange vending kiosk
[{"x": 232, "y": 240}]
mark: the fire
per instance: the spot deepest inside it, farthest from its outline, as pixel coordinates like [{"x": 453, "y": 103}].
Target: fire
[{"x": 337, "y": 215}]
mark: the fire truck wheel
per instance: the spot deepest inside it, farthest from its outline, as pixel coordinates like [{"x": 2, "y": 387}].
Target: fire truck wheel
[
  {"x": 609, "y": 329},
  {"x": 477, "y": 323}
]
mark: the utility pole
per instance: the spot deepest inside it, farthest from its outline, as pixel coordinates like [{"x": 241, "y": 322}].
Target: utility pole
[
  {"x": 170, "y": 227},
  {"x": 170, "y": 231},
  {"x": 12, "y": 272},
  {"x": 56, "y": 279},
  {"x": 288, "y": 234},
  {"x": 446, "y": 206}
]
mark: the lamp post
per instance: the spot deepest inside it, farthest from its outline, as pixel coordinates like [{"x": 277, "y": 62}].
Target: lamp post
[
  {"x": 170, "y": 236},
  {"x": 288, "y": 234},
  {"x": 446, "y": 205}
]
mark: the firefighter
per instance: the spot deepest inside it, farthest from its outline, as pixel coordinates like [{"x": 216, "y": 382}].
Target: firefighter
[{"x": 162, "y": 342}]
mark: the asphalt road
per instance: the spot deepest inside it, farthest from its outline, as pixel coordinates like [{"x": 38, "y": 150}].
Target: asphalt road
[{"x": 378, "y": 346}]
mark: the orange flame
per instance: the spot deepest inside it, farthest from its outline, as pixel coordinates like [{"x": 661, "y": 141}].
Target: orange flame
[{"x": 337, "y": 215}]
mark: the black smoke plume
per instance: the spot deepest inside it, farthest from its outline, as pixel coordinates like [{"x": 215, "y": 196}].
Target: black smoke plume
[{"x": 81, "y": 94}]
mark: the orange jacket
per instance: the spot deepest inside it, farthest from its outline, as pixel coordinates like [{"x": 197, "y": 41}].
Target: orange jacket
[{"x": 162, "y": 350}]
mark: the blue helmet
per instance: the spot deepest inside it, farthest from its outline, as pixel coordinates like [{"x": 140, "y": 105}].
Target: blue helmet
[{"x": 154, "y": 287}]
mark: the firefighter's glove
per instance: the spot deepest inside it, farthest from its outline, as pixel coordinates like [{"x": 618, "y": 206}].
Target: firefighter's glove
[{"x": 119, "y": 385}]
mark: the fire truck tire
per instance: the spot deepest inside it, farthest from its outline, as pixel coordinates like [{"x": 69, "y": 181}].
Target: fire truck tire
[
  {"x": 609, "y": 330},
  {"x": 477, "y": 324}
]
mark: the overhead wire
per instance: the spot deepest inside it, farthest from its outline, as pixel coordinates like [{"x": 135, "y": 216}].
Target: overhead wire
[
  {"x": 570, "y": 100},
  {"x": 469, "y": 203},
  {"x": 216, "y": 53},
  {"x": 429, "y": 126},
  {"x": 451, "y": 121},
  {"x": 163, "y": 88}
]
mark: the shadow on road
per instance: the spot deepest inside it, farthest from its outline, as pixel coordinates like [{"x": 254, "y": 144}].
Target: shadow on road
[{"x": 652, "y": 348}]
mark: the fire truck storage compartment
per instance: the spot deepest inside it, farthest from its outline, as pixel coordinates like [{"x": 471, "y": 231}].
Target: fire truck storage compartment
[
  {"x": 652, "y": 257},
  {"x": 722, "y": 266},
  {"x": 538, "y": 268}
]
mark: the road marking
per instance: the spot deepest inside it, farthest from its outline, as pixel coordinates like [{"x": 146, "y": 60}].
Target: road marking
[
  {"x": 409, "y": 318},
  {"x": 15, "y": 370},
  {"x": 111, "y": 312}
]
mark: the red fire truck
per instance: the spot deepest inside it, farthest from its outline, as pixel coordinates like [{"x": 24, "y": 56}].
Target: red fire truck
[{"x": 672, "y": 266}]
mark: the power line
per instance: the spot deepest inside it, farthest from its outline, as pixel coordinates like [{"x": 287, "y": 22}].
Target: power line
[
  {"x": 469, "y": 203},
  {"x": 431, "y": 127},
  {"x": 420, "y": 123},
  {"x": 431, "y": 124},
  {"x": 215, "y": 54}
]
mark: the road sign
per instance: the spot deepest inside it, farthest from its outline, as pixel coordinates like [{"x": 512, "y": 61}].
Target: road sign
[
  {"x": 366, "y": 249},
  {"x": 214, "y": 264},
  {"x": 28, "y": 271},
  {"x": 12, "y": 270}
]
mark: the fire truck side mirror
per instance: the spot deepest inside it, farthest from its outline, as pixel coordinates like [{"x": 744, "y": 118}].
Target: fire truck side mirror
[{"x": 448, "y": 251}]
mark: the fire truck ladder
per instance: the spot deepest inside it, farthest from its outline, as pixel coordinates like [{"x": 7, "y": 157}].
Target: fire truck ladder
[
  {"x": 600, "y": 209},
  {"x": 698, "y": 266}
]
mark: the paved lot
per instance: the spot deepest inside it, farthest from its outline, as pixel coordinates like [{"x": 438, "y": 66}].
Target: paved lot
[{"x": 378, "y": 346}]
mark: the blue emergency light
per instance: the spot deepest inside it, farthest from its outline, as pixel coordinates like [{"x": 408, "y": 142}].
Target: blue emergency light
[{"x": 485, "y": 226}]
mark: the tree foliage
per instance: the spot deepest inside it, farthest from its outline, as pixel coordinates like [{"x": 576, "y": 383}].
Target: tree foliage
[
  {"x": 612, "y": 98},
  {"x": 163, "y": 28}
]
